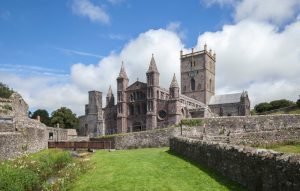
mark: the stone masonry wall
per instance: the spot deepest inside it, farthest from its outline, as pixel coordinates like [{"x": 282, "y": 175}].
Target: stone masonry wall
[
  {"x": 256, "y": 169},
  {"x": 24, "y": 141},
  {"x": 251, "y": 130},
  {"x": 147, "y": 139}
]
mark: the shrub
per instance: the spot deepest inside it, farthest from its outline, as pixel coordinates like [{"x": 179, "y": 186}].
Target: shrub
[
  {"x": 5, "y": 91},
  {"x": 262, "y": 107},
  {"x": 298, "y": 103},
  {"x": 277, "y": 104},
  {"x": 191, "y": 122},
  {"x": 12, "y": 178}
]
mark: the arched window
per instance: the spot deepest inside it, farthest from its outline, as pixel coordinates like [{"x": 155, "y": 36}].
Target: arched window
[{"x": 193, "y": 84}]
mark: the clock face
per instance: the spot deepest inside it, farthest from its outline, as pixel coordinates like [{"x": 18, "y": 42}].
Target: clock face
[{"x": 162, "y": 114}]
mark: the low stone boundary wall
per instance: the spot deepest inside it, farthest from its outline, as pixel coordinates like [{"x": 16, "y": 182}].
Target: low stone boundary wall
[
  {"x": 23, "y": 141},
  {"x": 256, "y": 169}
]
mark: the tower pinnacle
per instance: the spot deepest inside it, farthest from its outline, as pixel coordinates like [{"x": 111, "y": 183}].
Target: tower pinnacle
[
  {"x": 152, "y": 66},
  {"x": 174, "y": 82},
  {"x": 122, "y": 73}
]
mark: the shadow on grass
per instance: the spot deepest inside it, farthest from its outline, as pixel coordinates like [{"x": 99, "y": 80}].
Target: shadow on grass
[{"x": 231, "y": 185}]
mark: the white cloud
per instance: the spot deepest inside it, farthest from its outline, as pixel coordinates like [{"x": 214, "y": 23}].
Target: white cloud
[
  {"x": 115, "y": 2},
  {"x": 87, "y": 9},
  {"x": 274, "y": 11},
  {"x": 76, "y": 52},
  {"x": 221, "y": 2},
  {"x": 176, "y": 27},
  {"x": 46, "y": 92},
  {"x": 165, "y": 46},
  {"x": 254, "y": 55}
]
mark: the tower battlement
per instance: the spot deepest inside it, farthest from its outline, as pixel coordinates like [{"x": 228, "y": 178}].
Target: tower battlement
[{"x": 201, "y": 52}]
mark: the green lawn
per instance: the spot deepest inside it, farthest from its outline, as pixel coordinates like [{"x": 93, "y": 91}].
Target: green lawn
[
  {"x": 148, "y": 169},
  {"x": 287, "y": 148}
]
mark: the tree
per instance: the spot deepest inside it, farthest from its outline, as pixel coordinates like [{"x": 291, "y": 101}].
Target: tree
[
  {"x": 298, "y": 103},
  {"x": 262, "y": 107},
  {"x": 44, "y": 116},
  {"x": 281, "y": 103},
  {"x": 5, "y": 91},
  {"x": 65, "y": 117}
]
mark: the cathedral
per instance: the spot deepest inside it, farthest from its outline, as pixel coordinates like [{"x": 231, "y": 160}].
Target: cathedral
[{"x": 146, "y": 105}]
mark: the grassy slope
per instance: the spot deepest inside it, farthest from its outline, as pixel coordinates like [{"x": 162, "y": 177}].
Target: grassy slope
[
  {"x": 287, "y": 148},
  {"x": 148, "y": 169}
]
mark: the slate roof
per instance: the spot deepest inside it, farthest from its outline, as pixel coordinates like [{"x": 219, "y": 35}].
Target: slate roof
[{"x": 226, "y": 98}]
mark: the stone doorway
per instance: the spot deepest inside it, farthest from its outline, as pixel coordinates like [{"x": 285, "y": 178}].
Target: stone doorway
[{"x": 136, "y": 127}]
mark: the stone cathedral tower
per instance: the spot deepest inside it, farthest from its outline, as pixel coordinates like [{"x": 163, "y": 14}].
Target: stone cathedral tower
[
  {"x": 152, "y": 95},
  {"x": 198, "y": 74},
  {"x": 122, "y": 84}
]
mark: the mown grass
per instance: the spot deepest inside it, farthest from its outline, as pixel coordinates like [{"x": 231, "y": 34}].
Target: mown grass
[
  {"x": 51, "y": 169},
  {"x": 148, "y": 169}
]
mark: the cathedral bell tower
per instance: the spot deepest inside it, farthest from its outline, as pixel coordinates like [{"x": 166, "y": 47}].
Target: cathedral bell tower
[
  {"x": 152, "y": 88},
  {"x": 122, "y": 83},
  {"x": 198, "y": 74}
]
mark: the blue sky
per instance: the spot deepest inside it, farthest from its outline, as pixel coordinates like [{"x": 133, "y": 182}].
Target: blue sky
[
  {"x": 53, "y": 52},
  {"x": 40, "y": 33}
]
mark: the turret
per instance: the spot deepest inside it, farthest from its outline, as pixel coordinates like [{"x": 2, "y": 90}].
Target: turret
[
  {"x": 152, "y": 74},
  {"x": 152, "y": 89},
  {"x": 110, "y": 99},
  {"x": 174, "y": 88},
  {"x": 122, "y": 83}
]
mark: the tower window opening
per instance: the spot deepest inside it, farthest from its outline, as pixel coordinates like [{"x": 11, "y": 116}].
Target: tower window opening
[{"x": 193, "y": 84}]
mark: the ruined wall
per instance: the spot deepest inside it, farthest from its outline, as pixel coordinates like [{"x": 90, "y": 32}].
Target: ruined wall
[
  {"x": 249, "y": 130},
  {"x": 252, "y": 130},
  {"x": 24, "y": 141},
  {"x": 147, "y": 139},
  {"x": 256, "y": 169}
]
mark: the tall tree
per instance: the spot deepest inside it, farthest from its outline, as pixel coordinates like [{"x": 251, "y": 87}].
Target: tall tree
[
  {"x": 44, "y": 116},
  {"x": 65, "y": 118}
]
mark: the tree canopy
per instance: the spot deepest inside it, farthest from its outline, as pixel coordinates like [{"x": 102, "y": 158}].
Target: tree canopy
[
  {"x": 298, "y": 102},
  {"x": 44, "y": 116},
  {"x": 65, "y": 118},
  {"x": 5, "y": 91},
  {"x": 276, "y": 104}
]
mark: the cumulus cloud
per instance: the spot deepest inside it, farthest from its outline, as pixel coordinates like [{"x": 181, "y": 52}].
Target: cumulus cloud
[
  {"x": 86, "y": 8},
  {"x": 252, "y": 55},
  {"x": 257, "y": 57},
  {"x": 46, "y": 92},
  {"x": 274, "y": 11},
  {"x": 175, "y": 26},
  {"x": 165, "y": 45}
]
